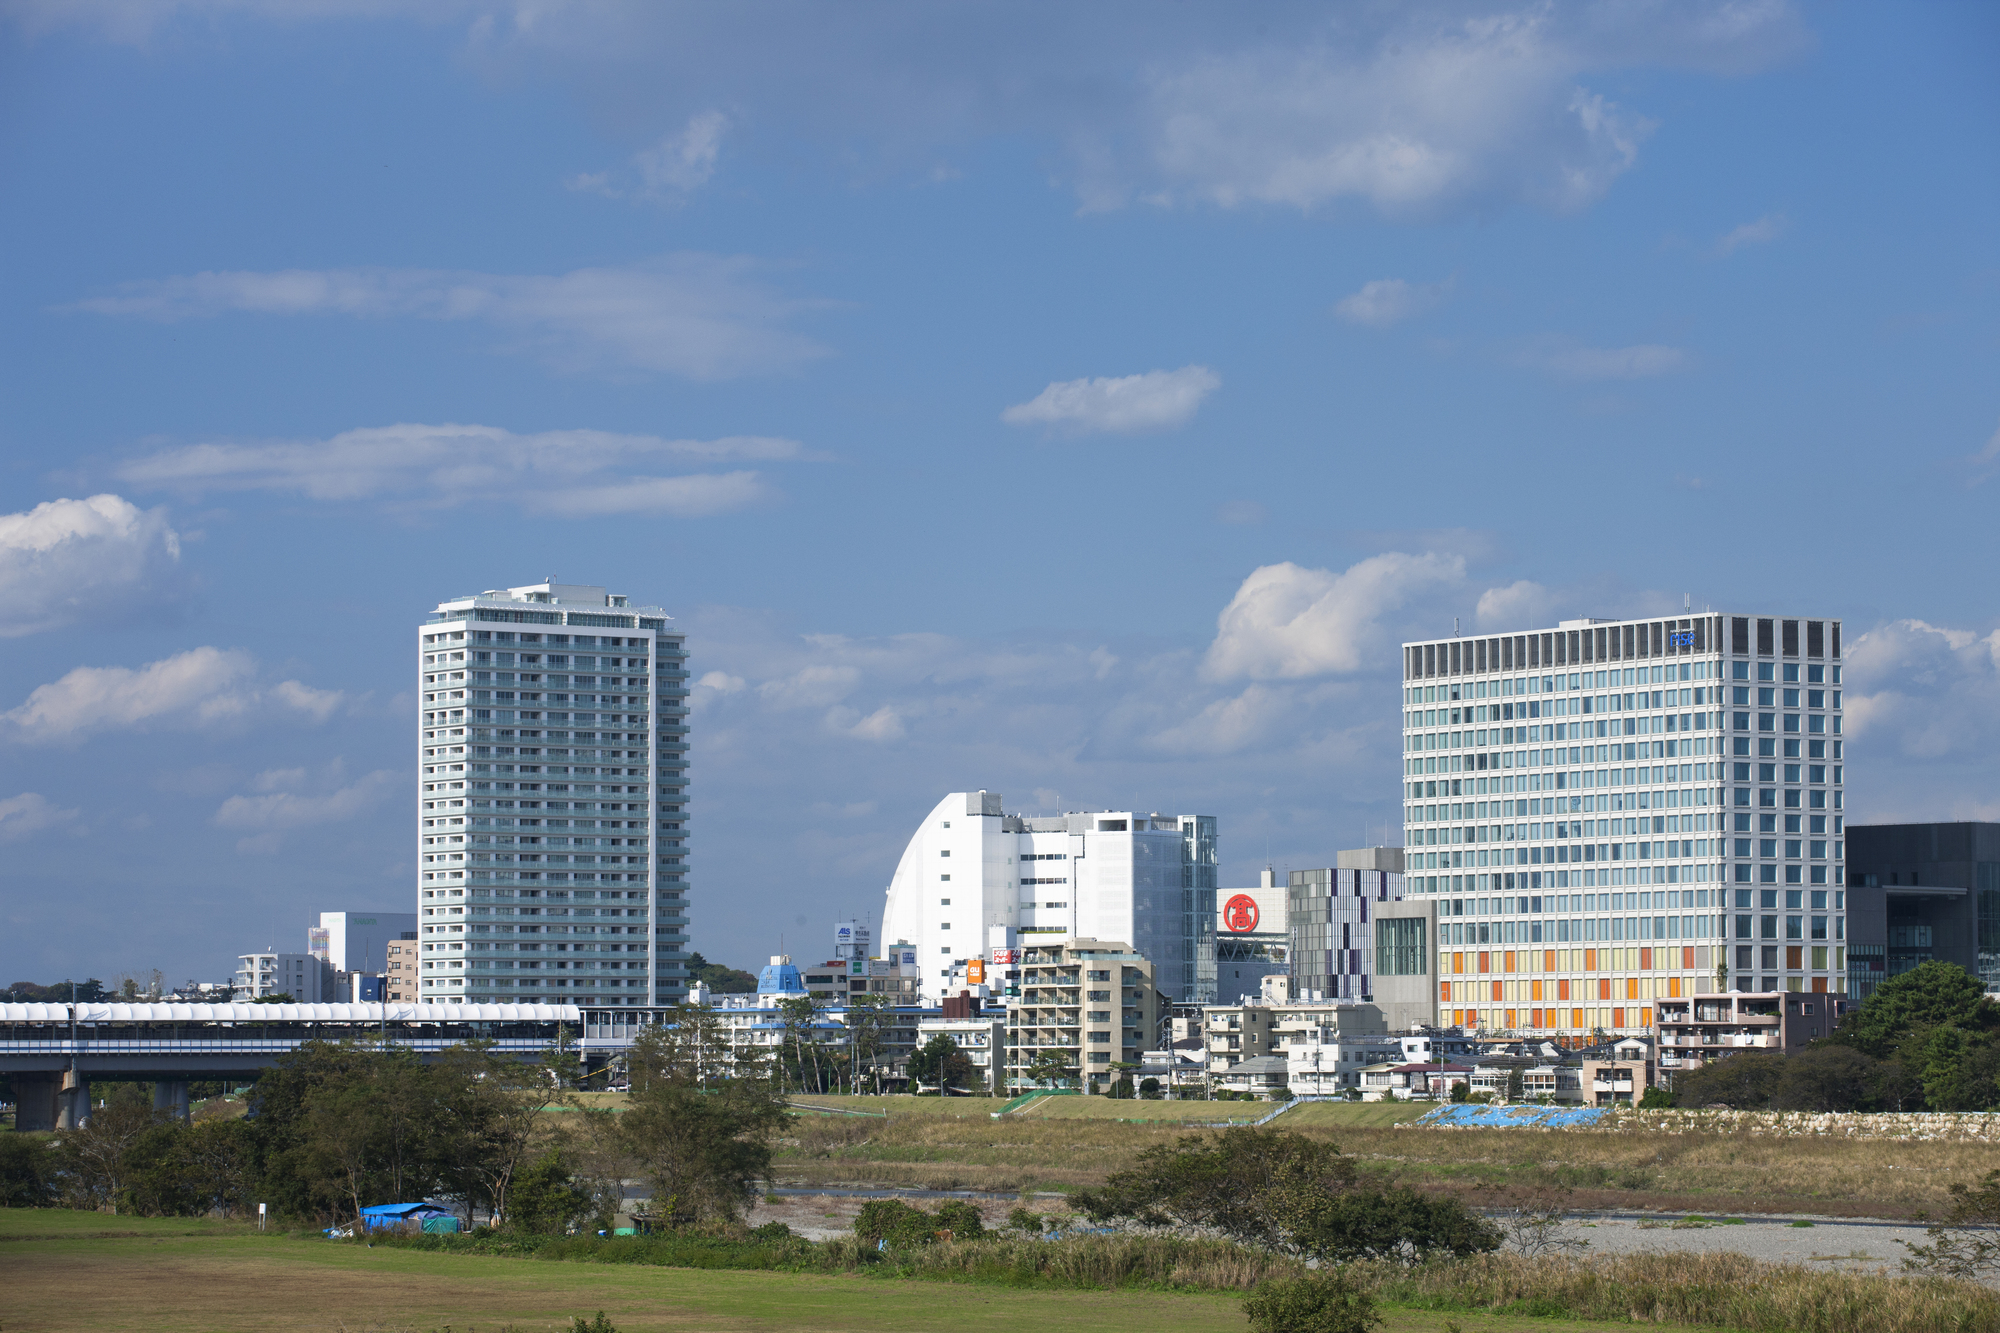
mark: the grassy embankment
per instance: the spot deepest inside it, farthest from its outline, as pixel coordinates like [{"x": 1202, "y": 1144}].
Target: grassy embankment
[
  {"x": 92, "y": 1272},
  {"x": 1074, "y": 1142}
]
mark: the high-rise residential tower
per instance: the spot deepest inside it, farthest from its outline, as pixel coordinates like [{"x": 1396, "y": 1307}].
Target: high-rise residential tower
[
  {"x": 1612, "y": 812},
  {"x": 553, "y": 860},
  {"x": 976, "y": 882}
]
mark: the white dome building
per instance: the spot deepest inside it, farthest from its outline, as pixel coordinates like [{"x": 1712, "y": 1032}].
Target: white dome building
[{"x": 976, "y": 882}]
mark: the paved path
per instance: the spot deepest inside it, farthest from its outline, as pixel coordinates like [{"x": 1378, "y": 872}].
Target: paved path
[{"x": 1856, "y": 1243}]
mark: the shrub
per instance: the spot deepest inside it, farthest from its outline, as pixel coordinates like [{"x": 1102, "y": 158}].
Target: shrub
[
  {"x": 578, "y": 1324},
  {"x": 1320, "y": 1303},
  {"x": 771, "y": 1231},
  {"x": 897, "y": 1222},
  {"x": 961, "y": 1219}
]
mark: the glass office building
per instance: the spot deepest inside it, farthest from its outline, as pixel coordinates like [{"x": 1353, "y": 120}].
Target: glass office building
[{"x": 1611, "y": 812}]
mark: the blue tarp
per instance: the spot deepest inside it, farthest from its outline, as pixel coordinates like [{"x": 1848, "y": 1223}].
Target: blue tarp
[
  {"x": 389, "y": 1215},
  {"x": 1469, "y": 1114}
]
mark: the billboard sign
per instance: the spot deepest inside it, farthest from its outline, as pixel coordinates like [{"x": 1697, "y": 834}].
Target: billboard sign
[
  {"x": 1240, "y": 914},
  {"x": 975, "y": 973},
  {"x": 1002, "y": 957}
]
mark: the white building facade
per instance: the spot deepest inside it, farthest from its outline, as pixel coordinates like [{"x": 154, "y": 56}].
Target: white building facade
[
  {"x": 553, "y": 835},
  {"x": 358, "y": 941},
  {"x": 975, "y": 881},
  {"x": 1609, "y": 813}
]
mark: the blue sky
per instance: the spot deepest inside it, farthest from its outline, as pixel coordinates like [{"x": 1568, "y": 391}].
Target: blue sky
[{"x": 1080, "y": 406}]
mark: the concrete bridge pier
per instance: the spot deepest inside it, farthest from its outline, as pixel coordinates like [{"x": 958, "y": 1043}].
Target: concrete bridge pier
[
  {"x": 171, "y": 1095},
  {"x": 35, "y": 1102},
  {"x": 73, "y": 1102}
]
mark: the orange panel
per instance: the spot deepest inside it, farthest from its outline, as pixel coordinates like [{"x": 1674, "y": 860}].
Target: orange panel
[
  {"x": 1576, "y": 1018},
  {"x": 1509, "y": 965},
  {"x": 1444, "y": 990},
  {"x": 1535, "y": 990},
  {"x": 1562, "y": 989},
  {"x": 1497, "y": 994},
  {"x": 1618, "y": 1018},
  {"x": 1819, "y": 985},
  {"x": 1458, "y": 962},
  {"x": 1646, "y": 1016},
  {"x": 1604, "y": 988},
  {"x": 1590, "y": 960},
  {"x": 1631, "y": 988},
  {"x": 1485, "y": 961},
  {"x": 1687, "y": 957},
  {"x": 1549, "y": 960},
  {"x": 1510, "y": 1019},
  {"x": 1795, "y": 957},
  {"x": 1674, "y": 987}
]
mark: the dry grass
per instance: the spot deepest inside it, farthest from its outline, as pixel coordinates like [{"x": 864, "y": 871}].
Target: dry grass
[
  {"x": 1697, "y": 1170},
  {"x": 1713, "y": 1290}
]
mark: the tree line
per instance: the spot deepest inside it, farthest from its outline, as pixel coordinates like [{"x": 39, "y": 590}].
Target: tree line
[
  {"x": 1926, "y": 1040},
  {"x": 335, "y": 1127}
]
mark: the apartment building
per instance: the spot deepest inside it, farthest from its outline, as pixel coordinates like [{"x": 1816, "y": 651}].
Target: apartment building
[
  {"x": 1331, "y": 942},
  {"x": 1237, "y": 1032},
  {"x": 553, "y": 834},
  {"x": 1607, "y": 814},
  {"x": 1092, "y": 1001},
  {"x": 1697, "y": 1031},
  {"x": 1324, "y": 1062}
]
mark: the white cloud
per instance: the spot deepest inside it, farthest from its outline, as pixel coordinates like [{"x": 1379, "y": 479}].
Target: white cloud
[
  {"x": 1987, "y": 460},
  {"x": 684, "y": 161},
  {"x": 1156, "y": 400},
  {"x": 700, "y": 316},
  {"x": 67, "y": 560},
  {"x": 1387, "y": 301},
  {"x": 1286, "y": 621},
  {"x": 883, "y": 725},
  {"x": 30, "y": 812},
  {"x": 1570, "y": 360},
  {"x": 1417, "y": 109},
  {"x": 281, "y": 811},
  {"x": 198, "y": 688},
  {"x": 1767, "y": 228},
  {"x": 1519, "y": 603},
  {"x": 1246, "y": 512},
  {"x": 572, "y": 473}
]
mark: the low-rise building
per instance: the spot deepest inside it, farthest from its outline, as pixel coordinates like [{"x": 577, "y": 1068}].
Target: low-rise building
[
  {"x": 1412, "y": 1081},
  {"x": 1092, "y": 1002},
  {"x": 402, "y": 972},
  {"x": 1261, "y": 1076},
  {"x": 980, "y": 1033},
  {"x": 306, "y": 978},
  {"x": 1621, "y": 1080},
  {"x": 1326, "y": 1063},
  {"x": 1234, "y": 1033},
  {"x": 1704, "y": 1028}
]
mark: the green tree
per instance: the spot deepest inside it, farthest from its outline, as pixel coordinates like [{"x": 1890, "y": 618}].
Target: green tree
[
  {"x": 1342, "y": 1225},
  {"x": 702, "y": 1150},
  {"x": 1957, "y": 1069},
  {"x": 1743, "y": 1081},
  {"x": 1051, "y": 1066},
  {"x": 940, "y": 1064},
  {"x": 490, "y": 1109},
  {"x": 687, "y": 1044},
  {"x": 1825, "y": 1078},
  {"x": 28, "y": 1171},
  {"x": 95, "y": 1159},
  {"x": 546, "y": 1198},
  {"x": 869, "y": 1018},
  {"x": 1965, "y": 1244},
  {"x": 719, "y": 977},
  {"x": 1228, "y": 1183},
  {"x": 1516, "y": 1084},
  {"x": 802, "y": 1060},
  {"x": 1931, "y": 995}
]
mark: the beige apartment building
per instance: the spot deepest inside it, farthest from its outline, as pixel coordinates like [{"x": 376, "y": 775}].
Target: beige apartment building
[{"x": 1093, "y": 1001}]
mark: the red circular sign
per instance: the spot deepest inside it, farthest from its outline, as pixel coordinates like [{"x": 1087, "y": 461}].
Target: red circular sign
[{"x": 1239, "y": 914}]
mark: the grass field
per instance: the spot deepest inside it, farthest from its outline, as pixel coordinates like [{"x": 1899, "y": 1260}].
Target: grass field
[
  {"x": 1075, "y": 1142},
  {"x": 72, "y": 1272}
]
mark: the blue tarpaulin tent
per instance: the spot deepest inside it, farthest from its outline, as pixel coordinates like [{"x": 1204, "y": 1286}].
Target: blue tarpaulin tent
[{"x": 398, "y": 1216}]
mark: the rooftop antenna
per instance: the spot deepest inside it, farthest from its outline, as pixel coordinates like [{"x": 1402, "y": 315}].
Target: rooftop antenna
[{"x": 1454, "y": 627}]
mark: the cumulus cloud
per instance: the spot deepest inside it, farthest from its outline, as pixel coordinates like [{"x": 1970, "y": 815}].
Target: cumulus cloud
[
  {"x": 1570, "y": 360},
  {"x": 30, "y": 812},
  {"x": 67, "y": 560},
  {"x": 1156, "y": 400},
  {"x": 684, "y": 161},
  {"x": 573, "y": 473},
  {"x": 700, "y": 316},
  {"x": 1286, "y": 621},
  {"x": 1926, "y": 691},
  {"x": 1412, "y": 110},
  {"x": 1519, "y": 603},
  {"x": 1767, "y": 228},
  {"x": 198, "y": 688},
  {"x": 1387, "y": 301}
]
